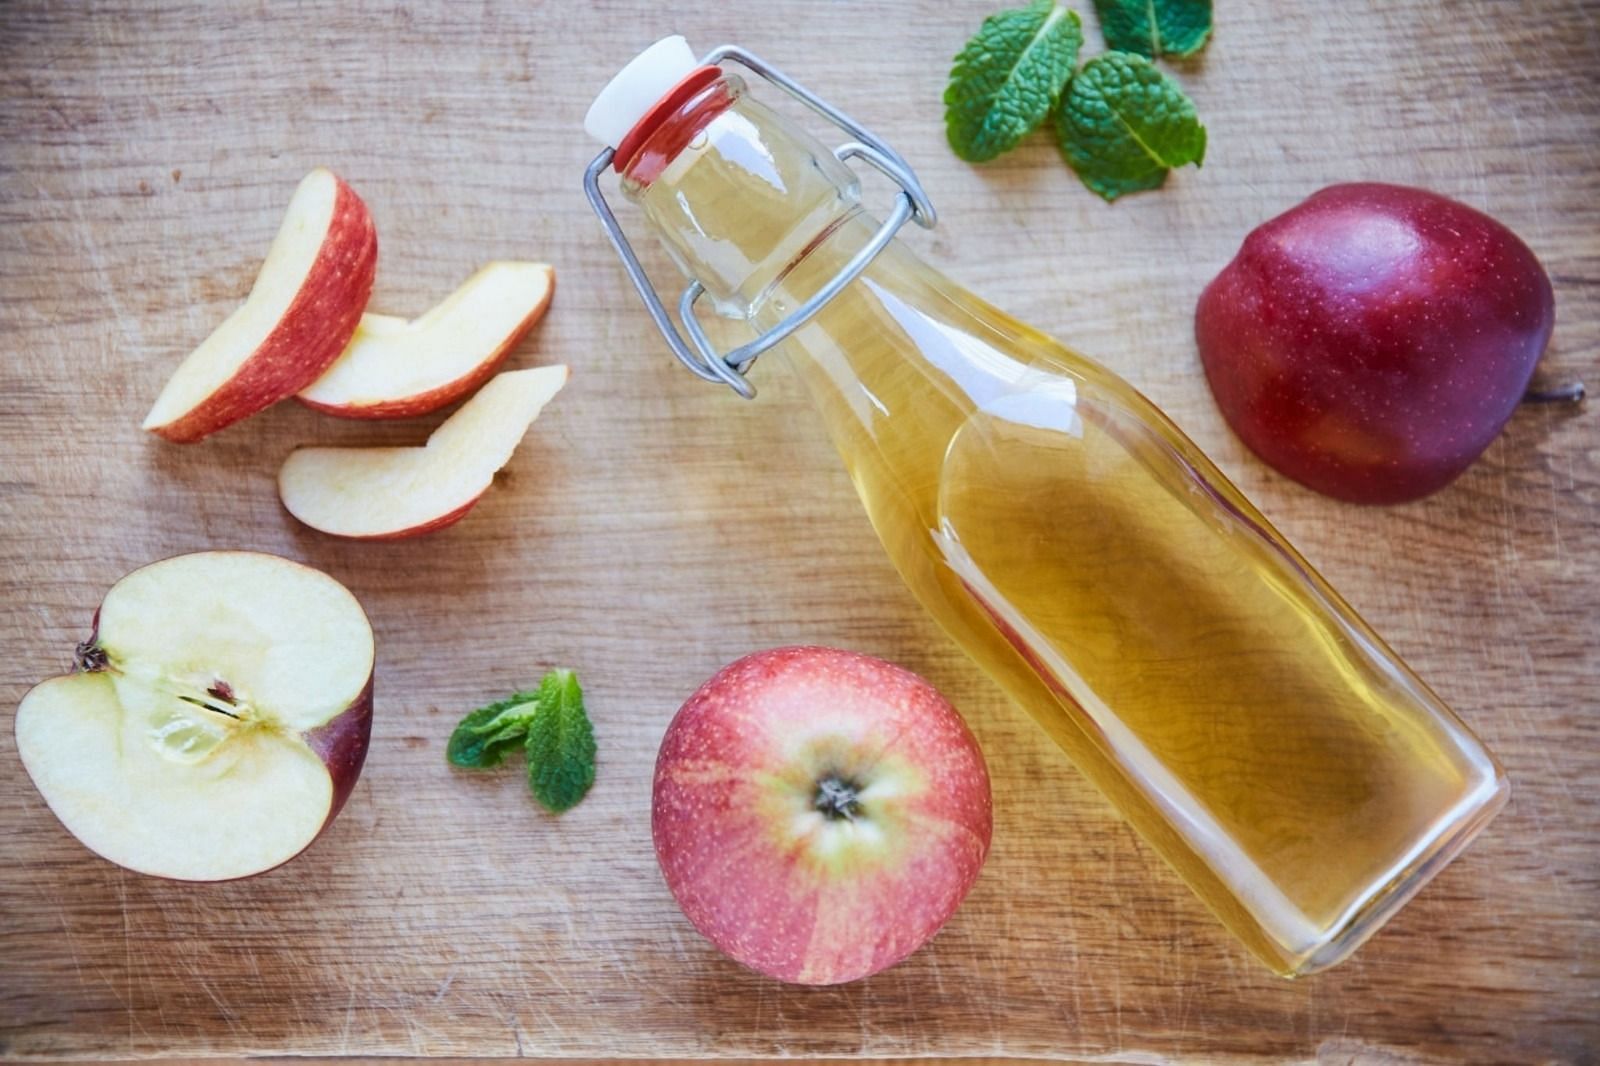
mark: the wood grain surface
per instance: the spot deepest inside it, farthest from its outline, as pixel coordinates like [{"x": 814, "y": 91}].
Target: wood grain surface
[{"x": 652, "y": 528}]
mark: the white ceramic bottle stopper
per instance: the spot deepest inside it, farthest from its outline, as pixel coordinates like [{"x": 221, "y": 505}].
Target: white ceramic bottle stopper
[{"x": 637, "y": 88}]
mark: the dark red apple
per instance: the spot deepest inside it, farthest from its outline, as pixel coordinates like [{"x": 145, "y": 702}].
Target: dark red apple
[
  {"x": 1371, "y": 341},
  {"x": 819, "y": 814}
]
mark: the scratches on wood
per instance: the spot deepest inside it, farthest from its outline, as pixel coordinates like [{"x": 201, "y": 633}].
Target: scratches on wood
[{"x": 652, "y": 528}]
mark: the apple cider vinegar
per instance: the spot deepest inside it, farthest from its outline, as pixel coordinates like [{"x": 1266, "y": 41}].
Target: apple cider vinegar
[{"x": 1281, "y": 758}]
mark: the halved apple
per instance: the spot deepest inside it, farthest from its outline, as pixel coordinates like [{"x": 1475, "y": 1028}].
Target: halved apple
[
  {"x": 219, "y": 720},
  {"x": 299, "y": 316},
  {"x": 389, "y": 493},
  {"x": 396, "y": 369}
]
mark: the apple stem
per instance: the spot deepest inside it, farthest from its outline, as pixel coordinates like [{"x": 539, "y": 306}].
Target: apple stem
[
  {"x": 1571, "y": 392},
  {"x": 837, "y": 799},
  {"x": 90, "y": 658}
]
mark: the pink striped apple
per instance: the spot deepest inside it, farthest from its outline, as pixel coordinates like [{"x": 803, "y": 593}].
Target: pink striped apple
[{"x": 819, "y": 814}]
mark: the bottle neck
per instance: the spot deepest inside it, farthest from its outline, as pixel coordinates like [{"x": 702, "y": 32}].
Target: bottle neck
[{"x": 736, "y": 193}]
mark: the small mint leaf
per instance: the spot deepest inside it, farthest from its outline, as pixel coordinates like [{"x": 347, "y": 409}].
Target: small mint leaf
[
  {"x": 1008, "y": 77},
  {"x": 1155, "y": 28},
  {"x": 560, "y": 743},
  {"x": 1123, "y": 124},
  {"x": 483, "y": 738}
]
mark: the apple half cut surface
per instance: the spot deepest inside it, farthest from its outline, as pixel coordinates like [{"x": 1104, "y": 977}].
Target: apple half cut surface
[
  {"x": 218, "y": 721},
  {"x": 393, "y": 368},
  {"x": 389, "y": 493},
  {"x": 300, "y": 314}
]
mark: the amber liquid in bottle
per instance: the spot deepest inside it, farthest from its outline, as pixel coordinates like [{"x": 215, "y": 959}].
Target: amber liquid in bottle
[{"x": 1081, "y": 549}]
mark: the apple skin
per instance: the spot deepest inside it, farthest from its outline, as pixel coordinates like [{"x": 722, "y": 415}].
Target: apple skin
[
  {"x": 1373, "y": 340},
  {"x": 308, "y": 338},
  {"x": 432, "y": 526},
  {"x": 731, "y": 795},
  {"x": 341, "y": 744}
]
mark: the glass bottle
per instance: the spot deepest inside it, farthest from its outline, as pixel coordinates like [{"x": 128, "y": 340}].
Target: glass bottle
[{"x": 1236, "y": 711}]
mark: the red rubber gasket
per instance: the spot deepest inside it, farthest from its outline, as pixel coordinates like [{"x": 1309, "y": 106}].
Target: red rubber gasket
[{"x": 675, "y": 98}]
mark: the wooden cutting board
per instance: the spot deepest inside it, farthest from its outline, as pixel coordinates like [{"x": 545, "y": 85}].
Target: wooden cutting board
[{"x": 652, "y": 528}]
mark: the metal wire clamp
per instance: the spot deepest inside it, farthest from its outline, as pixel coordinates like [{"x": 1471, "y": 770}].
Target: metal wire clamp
[{"x": 700, "y": 357}]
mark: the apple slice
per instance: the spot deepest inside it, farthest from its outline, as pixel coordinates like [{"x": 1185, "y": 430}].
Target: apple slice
[
  {"x": 389, "y": 493},
  {"x": 300, "y": 314},
  {"x": 396, "y": 369},
  {"x": 218, "y": 722}
]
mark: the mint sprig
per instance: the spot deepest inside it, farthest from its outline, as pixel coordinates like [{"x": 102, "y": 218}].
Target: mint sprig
[
  {"x": 484, "y": 737},
  {"x": 1155, "y": 28},
  {"x": 1123, "y": 125},
  {"x": 560, "y": 743},
  {"x": 549, "y": 724},
  {"x": 1008, "y": 77}
]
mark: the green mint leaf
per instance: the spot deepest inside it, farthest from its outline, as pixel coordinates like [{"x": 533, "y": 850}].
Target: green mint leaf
[
  {"x": 484, "y": 737},
  {"x": 1155, "y": 28},
  {"x": 560, "y": 743},
  {"x": 1008, "y": 77},
  {"x": 1123, "y": 124}
]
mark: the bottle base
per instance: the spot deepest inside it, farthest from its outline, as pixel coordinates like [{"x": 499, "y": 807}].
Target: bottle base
[{"x": 1383, "y": 902}]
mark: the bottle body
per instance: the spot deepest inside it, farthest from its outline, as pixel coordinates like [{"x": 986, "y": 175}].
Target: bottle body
[{"x": 1087, "y": 556}]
